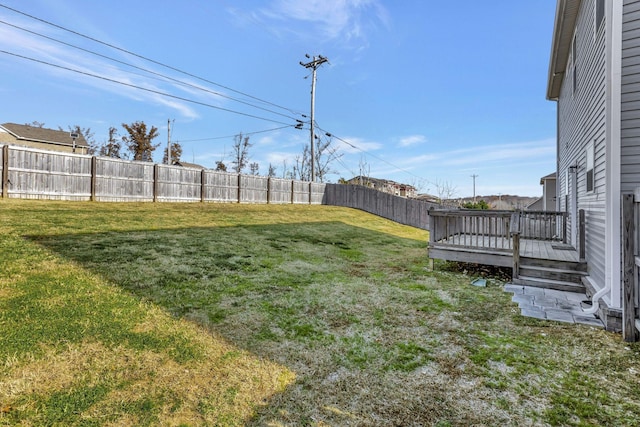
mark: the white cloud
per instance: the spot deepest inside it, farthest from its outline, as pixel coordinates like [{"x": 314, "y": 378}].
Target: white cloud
[
  {"x": 344, "y": 20},
  {"x": 412, "y": 140},
  {"x": 514, "y": 153},
  {"x": 356, "y": 145},
  {"x": 52, "y": 58}
]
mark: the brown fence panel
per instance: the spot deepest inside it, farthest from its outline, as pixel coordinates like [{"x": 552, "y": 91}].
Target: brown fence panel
[
  {"x": 40, "y": 174},
  {"x": 253, "y": 189},
  {"x": 400, "y": 209},
  {"x": 179, "y": 184},
  {"x": 120, "y": 180},
  {"x": 317, "y": 193},
  {"x": 280, "y": 190},
  {"x": 300, "y": 192},
  {"x": 220, "y": 187}
]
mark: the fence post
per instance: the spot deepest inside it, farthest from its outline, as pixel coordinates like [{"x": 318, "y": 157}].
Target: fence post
[
  {"x": 94, "y": 172},
  {"x": 310, "y": 192},
  {"x": 268, "y": 190},
  {"x": 203, "y": 185},
  {"x": 628, "y": 269},
  {"x": 156, "y": 184},
  {"x": 293, "y": 190},
  {"x": 5, "y": 171},
  {"x": 239, "y": 188}
]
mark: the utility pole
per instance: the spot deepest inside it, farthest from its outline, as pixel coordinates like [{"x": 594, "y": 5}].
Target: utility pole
[
  {"x": 313, "y": 65},
  {"x": 474, "y": 176},
  {"x": 169, "y": 141}
]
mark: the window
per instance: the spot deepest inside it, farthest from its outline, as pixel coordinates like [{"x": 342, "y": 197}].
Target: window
[
  {"x": 599, "y": 13},
  {"x": 590, "y": 176}
]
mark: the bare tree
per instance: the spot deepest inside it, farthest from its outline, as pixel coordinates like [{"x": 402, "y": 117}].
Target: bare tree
[
  {"x": 272, "y": 171},
  {"x": 139, "y": 141},
  {"x": 302, "y": 165},
  {"x": 418, "y": 183},
  {"x": 241, "y": 147},
  {"x": 365, "y": 170},
  {"x": 36, "y": 124},
  {"x": 326, "y": 154},
  {"x": 286, "y": 173},
  {"x": 111, "y": 147},
  {"x": 254, "y": 167},
  {"x": 445, "y": 190}
]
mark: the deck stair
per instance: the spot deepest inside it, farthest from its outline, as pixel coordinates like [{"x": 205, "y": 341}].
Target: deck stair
[{"x": 552, "y": 274}]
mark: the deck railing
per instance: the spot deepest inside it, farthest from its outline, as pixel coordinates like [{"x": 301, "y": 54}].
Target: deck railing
[
  {"x": 543, "y": 225},
  {"x": 471, "y": 228},
  {"x": 489, "y": 229}
]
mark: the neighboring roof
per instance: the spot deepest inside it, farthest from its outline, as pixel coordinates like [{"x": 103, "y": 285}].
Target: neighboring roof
[
  {"x": 38, "y": 134},
  {"x": 188, "y": 165},
  {"x": 565, "y": 21},
  {"x": 547, "y": 177},
  {"x": 536, "y": 205}
]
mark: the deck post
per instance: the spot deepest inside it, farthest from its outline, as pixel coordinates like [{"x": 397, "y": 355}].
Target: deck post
[
  {"x": 629, "y": 332},
  {"x": 516, "y": 255},
  {"x": 582, "y": 235},
  {"x": 514, "y": 231}
]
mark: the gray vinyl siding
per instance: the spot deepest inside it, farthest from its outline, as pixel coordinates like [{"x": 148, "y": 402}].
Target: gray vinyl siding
[
  {"x": 630, "y": 108},
  {"x": 581, "y": 123}
]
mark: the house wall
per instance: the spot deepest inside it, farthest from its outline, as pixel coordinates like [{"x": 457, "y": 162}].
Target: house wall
[
  {"x": 630, "y": 106},
  {"x": 549, "y": 195},
  {"x": 581, "y": 116},
  {"x": 6, "y": 137}
]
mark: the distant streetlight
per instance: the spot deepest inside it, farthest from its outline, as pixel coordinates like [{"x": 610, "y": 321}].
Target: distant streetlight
[{"x": 74, "y": 135}]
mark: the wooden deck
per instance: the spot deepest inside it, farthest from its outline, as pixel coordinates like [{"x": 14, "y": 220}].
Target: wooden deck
[
  {"x": 533, "y": 244},
  {"x": 502, "y": 246}
]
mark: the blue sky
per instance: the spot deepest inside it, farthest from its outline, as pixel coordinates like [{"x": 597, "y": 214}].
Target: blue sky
[{"x": 421, "y": 92}]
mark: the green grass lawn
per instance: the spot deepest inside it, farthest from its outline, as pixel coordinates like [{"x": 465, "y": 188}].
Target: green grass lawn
[{"x": 226, "y": 314}]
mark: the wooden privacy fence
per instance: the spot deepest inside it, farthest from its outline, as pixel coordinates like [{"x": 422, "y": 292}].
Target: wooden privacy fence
[
  {"x": 399, "y": 209},
  {"x": 40, "y": 174}
]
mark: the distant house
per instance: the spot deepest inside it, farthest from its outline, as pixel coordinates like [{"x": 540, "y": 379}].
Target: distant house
[
  {"x": 385, "y": 185},
  {"x": 47, "y": 139},
  {"x": 593, "y": 77},
  {"x": 548, "y": 200}
]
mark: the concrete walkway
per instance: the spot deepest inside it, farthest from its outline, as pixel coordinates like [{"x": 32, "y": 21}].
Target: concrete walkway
[{"x": 550, "y": 304}]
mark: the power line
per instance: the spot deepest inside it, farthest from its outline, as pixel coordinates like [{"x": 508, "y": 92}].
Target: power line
[
  {"x": 231, "y": 136},
  {"x": 373, "y": 155},
  {"x": 143, "y": 88},
  {"x": 144, "y": 69},
  {"x": 147, "y": 59}
]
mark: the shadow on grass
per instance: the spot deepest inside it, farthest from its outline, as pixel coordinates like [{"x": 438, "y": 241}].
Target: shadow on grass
[{"x": 285, "y": 292}]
